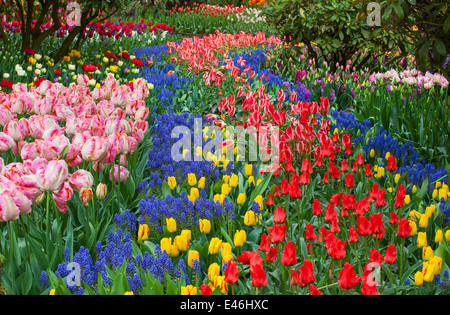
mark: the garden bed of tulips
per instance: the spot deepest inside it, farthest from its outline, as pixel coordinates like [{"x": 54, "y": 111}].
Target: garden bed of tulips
[{"x": 155, "y": 164}]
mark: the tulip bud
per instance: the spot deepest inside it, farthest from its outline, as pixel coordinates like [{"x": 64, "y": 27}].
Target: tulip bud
[
  {"x": 205, "y": 226},
  {"x": 85, "y": 195},
  {"x": 240, "y": 237},
  {"x": 100, "y": 191},
  {"x": 192, "y": 255},
  {"x": 241, "y": 199},
  {"x": 143, "y": 232},
  {"x": 215, "y": 245},
  {"x": 418, "y": 278}
]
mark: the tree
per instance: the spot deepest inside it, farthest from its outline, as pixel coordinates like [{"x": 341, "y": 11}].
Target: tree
[
  {"x": 88, "y": 12},
  {"x": 423, "y": 24}
]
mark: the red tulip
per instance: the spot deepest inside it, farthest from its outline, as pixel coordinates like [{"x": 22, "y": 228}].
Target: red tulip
[
  {"x": 277, "y": 233},
  {"x": 334, "y": 225},
  {"x": 394, "y": 218},
  {"x": 352, "y": 235},
  {"x": 205, "y": 289},
  {"x": 330, "y": 213},
  {"x": 294, "y": 277},
  {"x": 381, "y": 201},
  {"x": 279, "y": 215},
  {"x": 231, "y": 273},
  {"x": 289, "y": 257},
  {"x": 400, "y": 197},
  {"x": 309, "y": 234},
  {"x": 270, "y": 201},
  {"x": 347, "y": 278},
  {"x": 349, "y": 181},
  {"x": 344, "y": 167},
  {"x": 362, "y": 207},
  {"x": 265, "y": 243},
  {"x": 390, "y": 255},
  {"x": 306, "y": 273},
  {"x": 392, "y": 163},
  {"x": 272, "y": 254},
  {"x": 348, "y": 202},
  {"x": 259, "y": 278},
  {"x": 369, "y": 289},
  {"x": 375, "y": 257},
  {"x": 364, "y": 226},
  {"x": 313, "y": 290},
  {"x": 317, "y": 209},
  {"x": 336, "y": 199},
  {"x": 376, "y": 220},
  {"x": 285, "y": 187},
  {"x": 289, "y": 167},
  {"x": 404, "y": 228},
  {"x": 369, "y": 172}
]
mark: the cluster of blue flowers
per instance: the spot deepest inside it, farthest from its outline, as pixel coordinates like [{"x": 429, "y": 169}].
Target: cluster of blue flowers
[{"x": 83, "y": 271}]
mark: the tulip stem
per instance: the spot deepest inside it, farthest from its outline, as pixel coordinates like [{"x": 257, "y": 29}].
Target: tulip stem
[{"x": 48, "y": 222}]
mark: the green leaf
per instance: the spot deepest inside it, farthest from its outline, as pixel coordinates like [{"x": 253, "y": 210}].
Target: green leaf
[
  {"x": 440, "y": 47},
  {"x": 447, "y": 24}
]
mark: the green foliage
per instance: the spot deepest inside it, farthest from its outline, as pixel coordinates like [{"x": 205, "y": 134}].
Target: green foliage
[
  {"x": 424, "y": 24},
  {"x": 328, "y": 28}
]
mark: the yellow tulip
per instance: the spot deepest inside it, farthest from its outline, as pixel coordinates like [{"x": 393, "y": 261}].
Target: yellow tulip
[
  {"x": 414, "y": 215},
  {"x": 439, "y": 236},
  {"x": 143, "y": 232},
  {"x": 241, "y": 199},
  {"x": 397, "y": 178},
  {"x": 422, "y": 239},
  {"x": 201, "y": 183},
  {"x": 194, "y": 192},
  {"x": 226, "y": 189},
  {"x": 251, "y": 180},
  {"x": 215, "y": 245},
  {"x": 174, "y": 251},
  {"x": 447, "y": 235},
  {"x": 226, "y": 179},
  {"x": 205, "y": 226},
  {"x": 182, "y": 242},
  {"x": 418, "y": 278},
  {"x": 219, "y": 281},
  {"x": 413, "y": 228},
  {"x": 407, "y": 199},
  {"x": 172, "y": 181},
  {"x": 52, "y": 292},
  {"x": 31, "y": 60},
  {"x": 414, "y": 189},
  {"x": 219, "y": 198},
  {"x": 113, "y": 68},
  {"x": 423, "y": 222},
  {"x": 240, "y": 237},
  {"x": 234, "y": 180},
  {"x": 438, "y": 184},
  {"x": 437, "y": 262},
  {"x": 258, "y": 182},
  {"x": 435, "y": 194},
  {"x": 226, "y": 250},
  {"x": 166, "y": 244},
  {"x": 428, "y": 271},
  {"x": 248, "y": 169},
  {"x": 249, "y": 218},
  {"x": 372, "y": 153},
  {"x": 443, "y": 194},
  {"x": 380, "y": 172},
  {"x": 388, "y": 154},
  {"x": 427, "y": 253},
  {"x": 192, "y": 198},
  {"x": 213, "y": 271},
  {"x": 192, "y": 179},
  {"x": 192, "y": 256},
  {"x": 259, "y": 200},
  {"x": 171, "y": 225},
  {"x": 189, "y": 290},
  {"x": 129, "y": 293}
]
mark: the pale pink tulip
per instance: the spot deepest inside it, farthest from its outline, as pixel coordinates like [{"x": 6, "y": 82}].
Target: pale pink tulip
[
  {"x": 5, "y": 115},
  {"x": 52, "y": 177},
  {"x": 15, "y": 130},
  {"x": 8, "y": 209},
  {"x": 115, "y": 176},
  {"x": 94, "y": 149},
  {"x": 81, "y": 178},
  {"x": 27, "y": 185},
  {"x": 6, "y": 143},
  {"x": 62, "y": 196},
  {"x": 120, "y": 96}
]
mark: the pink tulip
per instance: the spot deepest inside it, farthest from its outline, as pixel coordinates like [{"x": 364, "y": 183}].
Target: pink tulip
[
  {"x": 43, "y": 87},
  {"x": 8, "y": 209},
  {"x": 94, "y": 149},
  {"x": 120, "y": 96},
  {"x": 5, "y": 115},
  {"x": 115, "y": 176},
  {"x": 27, "y": 185},
  {"x": 6, "y": 142},
  {"x": 62, "y": 196},
  {"x": 82, "y": 79},
  {"x": 81, "y": 178},
  {"x": 15, "y": 130},
  {"x": 52, "y": 177}
]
